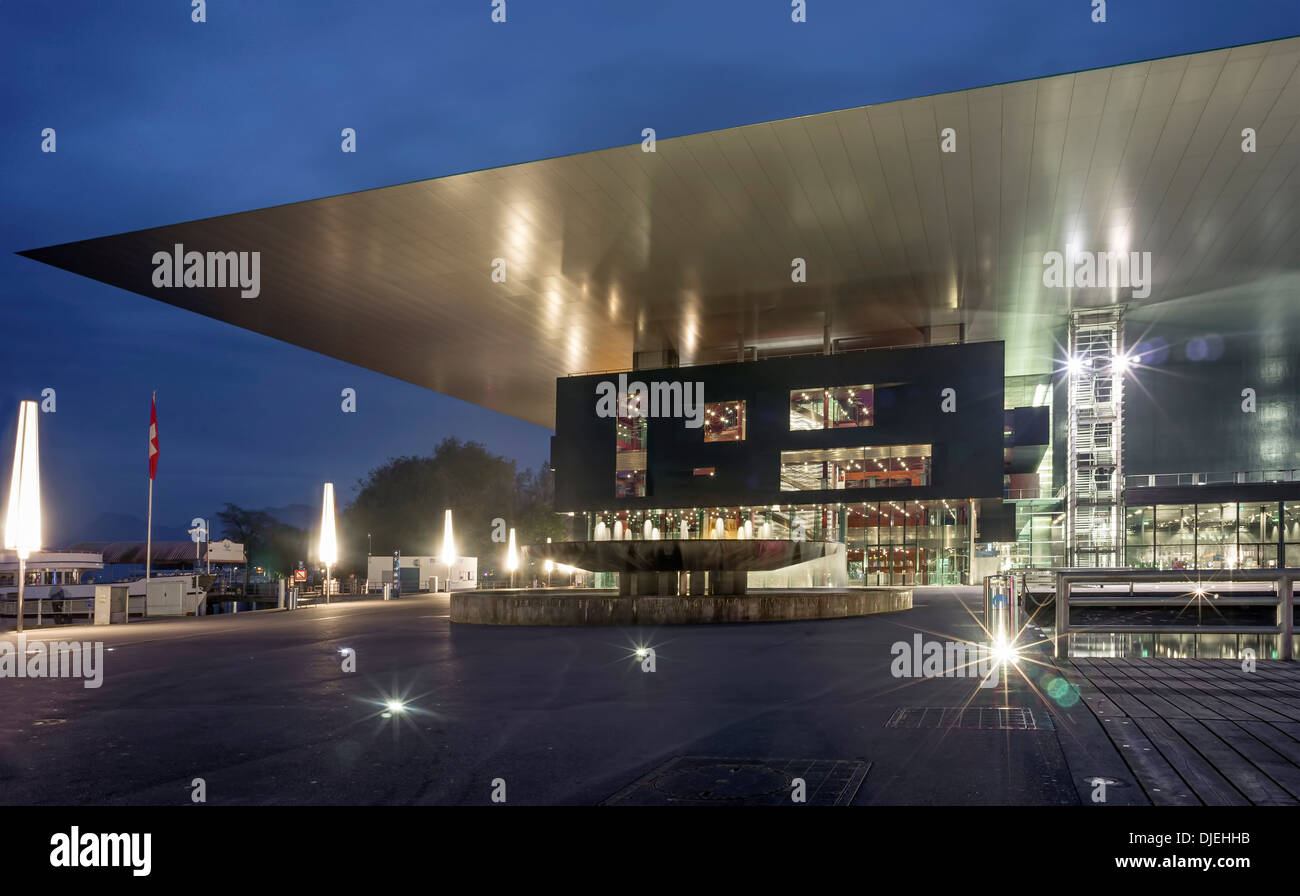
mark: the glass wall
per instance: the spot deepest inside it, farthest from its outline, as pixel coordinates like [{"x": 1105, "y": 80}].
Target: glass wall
[
  {"x": 1216, "y": 535},
  {"x": 1175, "y": 536},
  {"x": 883, "y": 466},
  {"x": 906, "y": 543},
  {"x": 1140, "y": 523},
  {"x": 887, "y": 542},
  {"x": 1291, "y": 525}
]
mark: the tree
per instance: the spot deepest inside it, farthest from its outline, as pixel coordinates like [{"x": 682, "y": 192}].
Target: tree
[
  {"x": 269, "y": 543},
  {"x": 400, "y": 504}
]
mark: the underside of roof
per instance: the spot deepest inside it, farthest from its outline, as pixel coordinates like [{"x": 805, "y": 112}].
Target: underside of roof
[{"x": 488, "y": 286}]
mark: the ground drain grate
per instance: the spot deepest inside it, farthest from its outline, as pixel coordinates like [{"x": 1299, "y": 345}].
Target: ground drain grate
[
  {"x": 982, "y": 718},
  {"x": 719, "y": 781}
]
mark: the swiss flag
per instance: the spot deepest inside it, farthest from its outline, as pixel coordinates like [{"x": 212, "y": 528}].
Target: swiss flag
[{"x": 153, "y": 438}]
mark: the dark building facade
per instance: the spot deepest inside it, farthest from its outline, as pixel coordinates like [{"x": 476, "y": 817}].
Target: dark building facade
[{"x": 878, "y": 449}]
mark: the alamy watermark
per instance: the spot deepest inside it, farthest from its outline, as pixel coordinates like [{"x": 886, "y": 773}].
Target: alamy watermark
[
  {"x": 208, "y": 270},
  {"x": 945, "y": 659},
  {"x": 53, "y": 659},
  {"x": 1090, "y": 270},
  {"x": 77, "y": 850},
  {"x": 657, "y": 399}
]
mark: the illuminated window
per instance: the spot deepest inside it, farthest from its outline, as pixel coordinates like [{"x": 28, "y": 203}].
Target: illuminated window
[
  {"x": 807, "y": 409},
  {"x": 629, "y": 460},
  {"x": 849, "y": 406},
  {"x": 836, "y": 407},
  {"x": 885, "y": 466},
  {"x": 724, "y": 421}
]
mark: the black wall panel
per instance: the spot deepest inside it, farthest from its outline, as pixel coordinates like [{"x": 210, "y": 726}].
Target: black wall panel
[{"x": 967, "y": 444}]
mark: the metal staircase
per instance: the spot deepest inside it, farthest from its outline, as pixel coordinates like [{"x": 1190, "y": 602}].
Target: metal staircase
[{"x": 1096, "y": 413}]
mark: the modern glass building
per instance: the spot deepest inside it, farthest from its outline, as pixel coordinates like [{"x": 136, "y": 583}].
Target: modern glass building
[
  {"x": 1018, "y": 353},
  {"x": 891, "y": 452}
]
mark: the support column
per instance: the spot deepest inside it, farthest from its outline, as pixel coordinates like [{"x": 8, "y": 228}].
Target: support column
[
  {"x": 1286, "y": 616},
  {"x": 970, "y": 542},
  {"x": 1062, "y": 617}
]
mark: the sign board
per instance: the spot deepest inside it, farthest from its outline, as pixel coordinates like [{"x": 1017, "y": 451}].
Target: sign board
[
  {"x": 300, "y": 575},
  {"x": 397, "y": 574},
  {"x": 225, "y": 551}
]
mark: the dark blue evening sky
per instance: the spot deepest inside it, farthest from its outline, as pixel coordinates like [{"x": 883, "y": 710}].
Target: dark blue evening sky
[{"x": 162, "y": 120}]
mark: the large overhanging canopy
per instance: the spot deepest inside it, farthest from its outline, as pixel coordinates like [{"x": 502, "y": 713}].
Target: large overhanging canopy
[{"x": 691, "y": 247}]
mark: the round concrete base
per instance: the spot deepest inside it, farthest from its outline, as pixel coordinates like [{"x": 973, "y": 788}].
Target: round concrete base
[{"x": 590, "y": 607}]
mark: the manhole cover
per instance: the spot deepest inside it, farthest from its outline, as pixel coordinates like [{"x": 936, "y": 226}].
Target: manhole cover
[
  {"x": 984, "y": 718},
  {"x": 714, "y": 781}
]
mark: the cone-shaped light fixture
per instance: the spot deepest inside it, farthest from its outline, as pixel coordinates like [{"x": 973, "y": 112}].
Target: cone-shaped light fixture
[
  {"x": 23, "y": 520},
  {"x": 329, "y": 542},
  {"x": 448, "y": 555}
]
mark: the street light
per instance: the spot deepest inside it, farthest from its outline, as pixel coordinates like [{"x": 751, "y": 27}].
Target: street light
[
  {"x": 329, "y": 545},
  {"x": 448, "y": 555},
  {"x": 23, "y": 520}
]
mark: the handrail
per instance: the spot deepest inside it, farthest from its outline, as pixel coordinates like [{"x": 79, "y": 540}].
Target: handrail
[
  {"x": 1218, "y": 477},
  {"x": 808, "y": 354},
  {"x": 1283, "y": 579}
]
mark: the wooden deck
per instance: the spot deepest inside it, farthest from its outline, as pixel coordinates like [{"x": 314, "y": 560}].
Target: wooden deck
[{"x": 1200, "y": 732}]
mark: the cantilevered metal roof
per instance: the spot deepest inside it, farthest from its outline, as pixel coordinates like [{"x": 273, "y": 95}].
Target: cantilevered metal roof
[{"x": 691, "y": 246}]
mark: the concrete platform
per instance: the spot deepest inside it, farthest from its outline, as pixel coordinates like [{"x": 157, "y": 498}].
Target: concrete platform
[
  {"x": 257, "y": 705},
  {"x": 606, "y": 607}
]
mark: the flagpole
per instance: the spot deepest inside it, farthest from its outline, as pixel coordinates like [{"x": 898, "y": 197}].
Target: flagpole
[
  {"x": 148, "y": 557},
  {"x": 148, "y": 538}
]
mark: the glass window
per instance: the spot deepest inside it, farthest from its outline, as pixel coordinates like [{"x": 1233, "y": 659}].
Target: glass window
[
  {"x": 1291, "y": 520},
  {"x": 1216, "y": 536},
  {"x": 849, "y": 406},
  {"x": 807, "y": 409},
  {"x": 1175, "y": 536},
  {"x": 1139, "y": 537},
  {"x": 1139, "y": 533},
  {"x": 883, "y": 466},
  {"x": 894, "y": 465},
  {"x": 724, "y": 421},
  {"x": 1257, "y": 532},
  {"x": 834, "y": 408},
  {"x": 629, "y": 484},
  {"x": 813, "y": 470},
  {"x": 630, "y": 462}
]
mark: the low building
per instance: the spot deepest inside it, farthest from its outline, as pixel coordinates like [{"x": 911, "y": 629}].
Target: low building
[{"x": 422, "y": 573}]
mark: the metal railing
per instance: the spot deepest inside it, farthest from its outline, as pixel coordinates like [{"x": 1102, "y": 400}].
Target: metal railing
[
  {"x": 1238, "y": 477},
  {"x": 1010, "y": 595},
  {"x": 62, "y": 610},
  {"x": 1029, "y": 494},
  {"x": 811, "y": 352},
  {"x": 1283, "y": 600}
]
